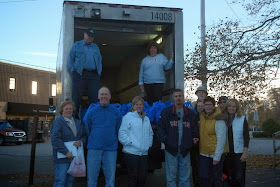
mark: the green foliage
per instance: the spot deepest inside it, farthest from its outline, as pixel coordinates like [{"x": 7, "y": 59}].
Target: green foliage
[
  {"x": 259, "y": 134},
  {"x": 270, "y": 126}
]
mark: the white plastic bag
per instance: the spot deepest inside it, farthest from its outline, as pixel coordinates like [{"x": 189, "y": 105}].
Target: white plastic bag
[{"x": 77, "y": 167}]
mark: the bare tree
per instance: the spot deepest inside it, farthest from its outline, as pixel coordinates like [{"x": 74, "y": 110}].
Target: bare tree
[{"x": 241, "y": 60}]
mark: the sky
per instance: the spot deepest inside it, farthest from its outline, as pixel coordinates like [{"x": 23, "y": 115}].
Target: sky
[{"x": 29, "y": 29}]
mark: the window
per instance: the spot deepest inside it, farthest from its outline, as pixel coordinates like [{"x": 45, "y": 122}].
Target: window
[
  {"x": 53, "y": 90},
  {"x": 34, "y": 87},
  {"x": 12, "y": 84}
]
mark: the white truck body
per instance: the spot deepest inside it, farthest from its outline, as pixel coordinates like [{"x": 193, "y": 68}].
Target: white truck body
[{"x": 122, "y": 33}]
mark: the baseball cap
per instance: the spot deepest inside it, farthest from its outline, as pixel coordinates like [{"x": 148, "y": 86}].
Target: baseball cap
[
  {"x": 201, "y": 88},
  {"x": 90, "y": 32},
  {"x": 222, "y": 98}
]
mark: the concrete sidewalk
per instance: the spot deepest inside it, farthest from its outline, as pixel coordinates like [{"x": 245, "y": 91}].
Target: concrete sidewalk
[
  {"x": 14, "y": 168},
  {"x": 254, "y": 178},
  {"x": 263, "y": 177}
]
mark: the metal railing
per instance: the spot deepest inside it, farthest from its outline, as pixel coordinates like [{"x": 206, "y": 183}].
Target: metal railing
[{"x": 275, "y": 148}]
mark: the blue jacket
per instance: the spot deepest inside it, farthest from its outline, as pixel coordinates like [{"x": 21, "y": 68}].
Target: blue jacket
[
  {"x": 136, "y": 134},
  {"x": 167, "y": 130},
  {"x": 60, "y": 133},
  {"x": 152, "y": 69},
  {"x": 102, "y": 126},
  {"x": 77, "y": 57}
]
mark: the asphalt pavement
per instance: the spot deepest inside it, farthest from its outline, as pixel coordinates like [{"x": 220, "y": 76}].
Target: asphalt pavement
[{"x": 15, "y": 165}]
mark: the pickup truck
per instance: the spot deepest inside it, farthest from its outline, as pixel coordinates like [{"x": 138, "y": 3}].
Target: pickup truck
[{"x": 8, "y": 134}]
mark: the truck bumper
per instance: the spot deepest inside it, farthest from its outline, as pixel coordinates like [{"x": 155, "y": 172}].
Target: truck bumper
[{"x": 12, "y": 139}]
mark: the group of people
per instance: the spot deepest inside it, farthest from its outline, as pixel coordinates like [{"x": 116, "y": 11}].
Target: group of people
[
  {"x": 103, "y": 128},
  {"x": 85, "y": 65},
  {"x": 206, "y": 141},
  {"x": 223, "y": 144},
  {"x": 209, "y": 141}
]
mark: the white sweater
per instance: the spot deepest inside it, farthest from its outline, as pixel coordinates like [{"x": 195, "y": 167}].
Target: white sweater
[{"x": 136, "y": 134}]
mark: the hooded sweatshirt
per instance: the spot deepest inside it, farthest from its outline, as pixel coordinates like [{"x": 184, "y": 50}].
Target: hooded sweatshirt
[{"x": 136, "y": 134}]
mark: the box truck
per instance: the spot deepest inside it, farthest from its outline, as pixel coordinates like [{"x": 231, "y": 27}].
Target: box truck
[{"x": 122, "y": 33}]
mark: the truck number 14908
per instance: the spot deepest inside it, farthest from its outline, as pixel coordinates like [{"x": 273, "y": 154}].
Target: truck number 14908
[{"x": 162, "y": 16}]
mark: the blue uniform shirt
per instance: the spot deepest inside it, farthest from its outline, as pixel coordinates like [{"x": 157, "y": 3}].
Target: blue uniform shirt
[
  {"x": 89, "y": 61},
  {"x": 83, "y": 56}
]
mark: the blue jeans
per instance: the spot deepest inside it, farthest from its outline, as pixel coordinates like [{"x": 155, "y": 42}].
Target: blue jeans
[
  {"x": 210, "y": 175},
  {"x": 62, "y": 178},
  {"x": 96, "y": 158},
  {"x": 89, "y": 81},
  {"x": 172, "y": 164}
]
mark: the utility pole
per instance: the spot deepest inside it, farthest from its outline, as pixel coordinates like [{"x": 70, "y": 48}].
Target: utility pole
[
  {"x": 203, "y": 65},
  {"x": 33, "y": 149}
]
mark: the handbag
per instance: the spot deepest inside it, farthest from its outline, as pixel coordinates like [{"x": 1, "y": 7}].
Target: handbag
[{"x": 78, "y": 167}]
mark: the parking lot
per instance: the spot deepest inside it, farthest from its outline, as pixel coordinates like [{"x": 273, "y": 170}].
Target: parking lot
[
  {"x": 15, "y": 163},
  {"x": 16, "y": 160}
]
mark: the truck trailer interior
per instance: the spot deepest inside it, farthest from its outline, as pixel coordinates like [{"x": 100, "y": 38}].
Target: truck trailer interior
[{"x": 123, "y": 46}]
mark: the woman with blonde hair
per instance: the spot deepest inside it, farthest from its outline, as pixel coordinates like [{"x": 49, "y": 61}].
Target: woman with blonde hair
[
  {"x": 136, "y": 136},
  {"x": 238, "y": 142}
]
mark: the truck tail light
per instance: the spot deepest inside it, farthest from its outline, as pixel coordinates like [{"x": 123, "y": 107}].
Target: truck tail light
[
  {"x": 125, "y": 6},
  {"x": 175, "y": 9},
  {"x": 74, "y": 2},
  {"x": 137, "y": 7}
]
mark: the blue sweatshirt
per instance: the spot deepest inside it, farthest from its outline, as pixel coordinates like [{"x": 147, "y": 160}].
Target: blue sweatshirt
[
  {"x": 102, "y": 125},
  {"x": 153, "y": 69}
]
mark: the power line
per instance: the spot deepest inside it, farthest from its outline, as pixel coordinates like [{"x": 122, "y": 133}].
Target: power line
[
  {"x": 19, "y": 1},
  {"x": 27, "y": 64},
  {"x": 233, "y": 11}
]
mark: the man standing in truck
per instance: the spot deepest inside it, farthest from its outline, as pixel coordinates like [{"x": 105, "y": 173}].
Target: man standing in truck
[
  {"x": 177, "y": 129},
  {"x": 85, "y": 64}
]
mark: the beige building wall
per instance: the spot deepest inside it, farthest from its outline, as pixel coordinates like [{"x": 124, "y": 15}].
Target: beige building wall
[
  {"x": 3, "y": 109},
  {"x": 23, "y": 84},
  {"x": 22, "y": 94}
]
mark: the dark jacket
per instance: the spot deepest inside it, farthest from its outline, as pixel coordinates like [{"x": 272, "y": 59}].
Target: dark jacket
[
  {"x": 60, "y": 133},
  {"x": 167, "y": 130}
]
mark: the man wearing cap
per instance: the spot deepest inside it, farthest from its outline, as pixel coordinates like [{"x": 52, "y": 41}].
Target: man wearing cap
[
  {"x": 85, "y": 64},
  {"x": 201, "y": 92},
  {"x": 222, "y": 102}
]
